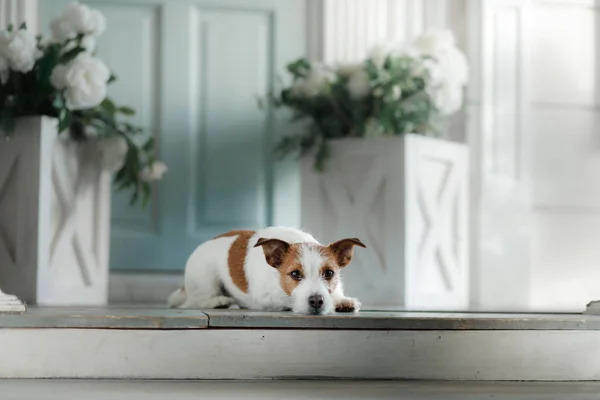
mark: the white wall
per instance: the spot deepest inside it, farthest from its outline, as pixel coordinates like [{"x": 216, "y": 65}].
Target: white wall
[
  {"x": 351, "y": 27},
  {"x": 565, "y": 158}
]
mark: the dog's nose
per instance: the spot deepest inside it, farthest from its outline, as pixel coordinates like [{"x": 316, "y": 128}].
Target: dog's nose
[{"x": 315, "y": 301}]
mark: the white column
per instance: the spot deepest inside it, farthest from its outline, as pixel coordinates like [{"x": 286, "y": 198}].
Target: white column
[
  {"x": 499, "y": 143},
  {"x": 18, "y": 11}
]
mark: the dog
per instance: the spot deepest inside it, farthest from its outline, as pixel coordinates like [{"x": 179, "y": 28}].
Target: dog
[{"x": 273, "y": 269}]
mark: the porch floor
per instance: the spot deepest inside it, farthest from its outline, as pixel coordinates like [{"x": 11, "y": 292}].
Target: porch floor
[{"x": 144, "y": 317}]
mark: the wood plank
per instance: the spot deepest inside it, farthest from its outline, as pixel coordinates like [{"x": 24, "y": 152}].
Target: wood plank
[
  {"x": 370, "y": 320},
  {"x": 145, "y": 317},
  {"x": 106, "y": 318},
  {"x": 294, "y": 354}
]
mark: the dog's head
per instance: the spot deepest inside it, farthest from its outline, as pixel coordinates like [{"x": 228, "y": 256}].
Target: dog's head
[{"x": 309, "y": 272}]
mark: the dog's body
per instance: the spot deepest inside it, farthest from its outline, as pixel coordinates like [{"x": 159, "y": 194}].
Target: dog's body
[{"x": 271, "y": 269}]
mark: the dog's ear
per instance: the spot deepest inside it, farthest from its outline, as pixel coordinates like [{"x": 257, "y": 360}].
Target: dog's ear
[
  {"x": 344, "y": 249},
  {"x": 274, "y": 249}
]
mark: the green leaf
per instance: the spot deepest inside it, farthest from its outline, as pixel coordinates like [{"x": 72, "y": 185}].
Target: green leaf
[
  {"x": 109, "y": 106},
  {"x": 126, "y": 110},
  {"x": 71, "y": 54},
  {"x": 45, "y": 65},
  {"x": 23, "y": 25},
  {"x": 120, "y": 174},
  {"x": 134, "y": 197},
  {"x": 112, "y": 78},
  {"x": 59, "y": 102},
  {"x": 64, "y": 120}
]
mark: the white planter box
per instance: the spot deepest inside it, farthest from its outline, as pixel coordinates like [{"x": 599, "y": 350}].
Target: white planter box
[
  {"x": 406, "y": 198},
  {"x": 54, "y": 218}
]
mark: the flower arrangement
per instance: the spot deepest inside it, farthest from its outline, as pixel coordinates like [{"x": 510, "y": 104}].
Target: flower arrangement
[
  {"x": 393, "y": 92},
  {"x": 62, "y": 77}
]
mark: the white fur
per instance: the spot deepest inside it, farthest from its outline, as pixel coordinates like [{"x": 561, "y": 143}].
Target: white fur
[{"x": 207, "y": 270}]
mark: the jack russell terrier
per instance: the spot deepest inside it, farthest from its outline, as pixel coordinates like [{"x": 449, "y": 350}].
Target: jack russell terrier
[{"x": 271, "y": 269}]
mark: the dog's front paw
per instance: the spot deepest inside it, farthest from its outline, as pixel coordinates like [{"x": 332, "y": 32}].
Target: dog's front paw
[{"x": 347, "y": 305}]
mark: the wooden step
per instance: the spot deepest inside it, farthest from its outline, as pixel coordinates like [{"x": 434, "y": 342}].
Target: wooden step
[{"x": 126, "y": 343}]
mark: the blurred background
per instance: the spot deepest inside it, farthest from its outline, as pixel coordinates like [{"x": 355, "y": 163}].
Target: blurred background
[{"x": 530, "y": 232}]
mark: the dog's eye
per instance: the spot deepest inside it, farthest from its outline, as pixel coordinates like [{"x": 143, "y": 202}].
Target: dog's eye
[
  {"x": 296, "y": 275},
  {"x": 328, "y": 274}
]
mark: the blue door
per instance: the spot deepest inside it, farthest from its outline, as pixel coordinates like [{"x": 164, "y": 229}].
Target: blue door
[{"x": 193, "y": 69}]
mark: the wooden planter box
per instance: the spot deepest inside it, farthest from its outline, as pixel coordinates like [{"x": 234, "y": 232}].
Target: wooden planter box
[
  {"x": 406, "y": 198},
  {"x": 54, "y": 218}
]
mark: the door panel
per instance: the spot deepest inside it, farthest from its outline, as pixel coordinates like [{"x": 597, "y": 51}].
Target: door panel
[{"x": 192, "y": 69}]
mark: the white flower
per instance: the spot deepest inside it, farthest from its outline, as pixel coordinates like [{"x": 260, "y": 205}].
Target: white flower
[
  {"x": 78, "y": 19},
  {"x": 447, "y": 81},
  {"x": 87, "y": 42},
  {"x": 112, "y": 152},
  {"x": 432, "y": 68},
  {"x": 448, "y": 69},
  {"x": 84, "y": 81},
  {"x": 316, "y": 82},
  {"x": 396, "y": 92},
  {"x": 154, "y": 172},
  {"x": 359, "y": 85},
  {"x": 452, "y": 66},
  {"x": 434, "y": 41},
  {"x": 61, "y": 30},
  {"x": 448, "y": 99},
  {"x": 379, "y": 53},
  {"x": 19, "y": 50}
]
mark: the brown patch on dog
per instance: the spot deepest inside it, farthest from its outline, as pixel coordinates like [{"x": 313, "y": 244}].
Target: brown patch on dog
[
  {"x": 275, "y": 250},
  {"x": 291, "y": 263},
  {"x": 343, "y": 250},
  {"x": 237, "y": 257},
  {"x": 285, "y": 257}
]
